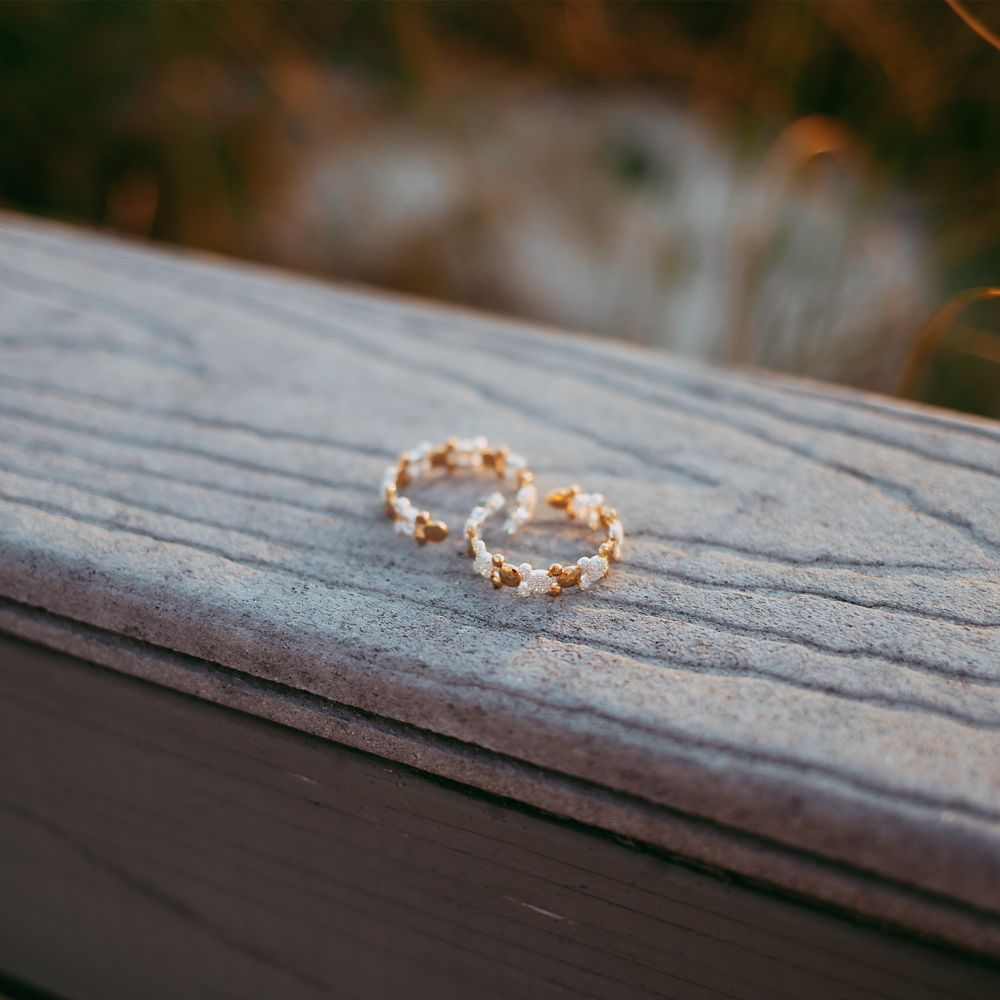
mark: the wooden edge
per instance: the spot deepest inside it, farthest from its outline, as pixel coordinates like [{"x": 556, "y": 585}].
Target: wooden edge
[{"x": 758, "y": 861}]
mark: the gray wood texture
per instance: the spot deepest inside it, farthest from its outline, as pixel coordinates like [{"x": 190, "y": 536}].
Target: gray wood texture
[
  {"x": 155, "y": 846},
  {"x": 794, "y": 674}
]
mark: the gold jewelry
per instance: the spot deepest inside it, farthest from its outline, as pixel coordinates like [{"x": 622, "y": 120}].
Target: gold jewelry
[
  {"x": 456, "y": 453},
  {"x": 587, "y": 507}
]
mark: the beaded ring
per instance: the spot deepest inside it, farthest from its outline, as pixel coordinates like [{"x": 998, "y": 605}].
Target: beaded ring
[
  {"x": 456, "y": 453},
  {"x": 586, "y": 507}
]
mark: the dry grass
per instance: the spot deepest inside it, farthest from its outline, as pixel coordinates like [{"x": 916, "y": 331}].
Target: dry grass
[{"x": 193, "y": 122}]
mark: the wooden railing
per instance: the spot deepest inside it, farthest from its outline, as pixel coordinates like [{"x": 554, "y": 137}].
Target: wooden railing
[{"x": 792, "y": 676}]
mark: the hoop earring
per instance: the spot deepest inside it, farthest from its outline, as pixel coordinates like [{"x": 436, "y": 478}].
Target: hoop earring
[
  {"x": 474, "y": 454},
  {"x": 587, "y": 507}
]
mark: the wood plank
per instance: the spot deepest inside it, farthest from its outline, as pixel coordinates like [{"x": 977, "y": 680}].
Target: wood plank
[
  {"x": 794, "y": 675},
  {"x": 214, "y": 854}
]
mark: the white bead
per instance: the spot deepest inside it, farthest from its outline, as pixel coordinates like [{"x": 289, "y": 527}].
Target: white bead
[
  {"x": 585, "y": 507},
  {"x": 483, "y": 563},
  {"x": 524, "y": 569},
  {"x": 418, "y": 459},
  {"x": 527, "y": 498},
  {"x": 516, "y": 462},
  {"x": 495, "y": 501},
  {"x": 515, "y": 519},
  {"x": 480, "y": 443},
  {"x": 476, "y": 518},
  {"x": 593, "y": 569},
  {"x": 404, "y": 527},
  {"x": 616, "y": 535},
  {"x": 537, "y": 581},
  {"x": 467, "y": 454}
]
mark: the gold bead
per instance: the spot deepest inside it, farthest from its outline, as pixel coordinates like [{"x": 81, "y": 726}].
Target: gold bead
[
  {"x": 525, "y": 476},
  {"x": 607, "y": 515},
  {"x": 559, "y": 498},
  {"x": 496, "y": 581},
  {"x": 569, "y": 577},
  {"x": 436, "y": 531},
  {"x": 555, "y": 590},
  {"x": 555, "y": 569},
  {"x": 468, "y": 546},
  {"x": 498, "y": 559},
  {"x": 418, "y": 534},
  {"x": 423, "y": 517},
  {"x": 606, "y": 549},
  {"x": 510, "y": 576}
]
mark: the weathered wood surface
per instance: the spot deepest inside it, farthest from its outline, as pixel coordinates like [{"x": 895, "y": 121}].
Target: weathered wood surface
[
  {"x": 793, "y": 675},
  {"x": 155, "y": 846}
]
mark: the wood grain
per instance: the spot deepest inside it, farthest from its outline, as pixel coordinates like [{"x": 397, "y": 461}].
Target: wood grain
[
  {"x": 794, "y": 674},
  {"x": 150, "y": 825}
]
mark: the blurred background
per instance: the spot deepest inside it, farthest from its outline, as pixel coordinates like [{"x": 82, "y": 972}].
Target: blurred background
[{"x": 803, "y": 186}]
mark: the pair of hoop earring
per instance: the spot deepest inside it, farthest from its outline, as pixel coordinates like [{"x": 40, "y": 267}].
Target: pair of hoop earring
[{"x": 476, "y": 454}]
